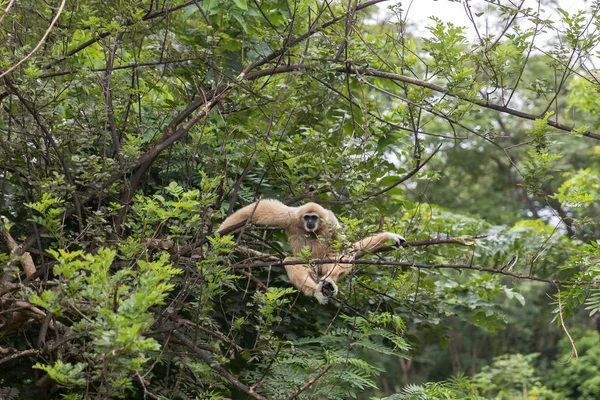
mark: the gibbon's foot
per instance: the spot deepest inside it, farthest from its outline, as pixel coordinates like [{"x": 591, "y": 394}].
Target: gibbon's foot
[
  {"x": 399, "y": 240},
  {"x": 326, "y": 289}
]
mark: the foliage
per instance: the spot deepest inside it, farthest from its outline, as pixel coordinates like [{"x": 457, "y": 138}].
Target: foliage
[
  {"x": 109, "y": 315},
  {"x": 512, "y": 376},
  {"x": 338, "y": 349},
  {"x": 459, "y": 387},
  {"x": 577, "y": 378}
]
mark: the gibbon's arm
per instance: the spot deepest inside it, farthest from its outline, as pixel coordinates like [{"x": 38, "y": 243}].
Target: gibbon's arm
[
  {"x": 306, "y": 280},
  {"x": 372, "y": 243},
  {"x": 332, "y": 221},
  {"x": 267, "y": 212}
]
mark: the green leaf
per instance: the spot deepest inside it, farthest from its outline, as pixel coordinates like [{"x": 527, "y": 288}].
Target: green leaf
[
  {"x": 240, "y": 19},
  {"x": 444, "y": 342},
  {"x": 241, "y": 4},
  {"x": 211, "y": 6}
]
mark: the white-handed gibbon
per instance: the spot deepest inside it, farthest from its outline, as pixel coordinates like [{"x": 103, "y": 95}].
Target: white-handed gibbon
[{"x": 313, "y": 226}]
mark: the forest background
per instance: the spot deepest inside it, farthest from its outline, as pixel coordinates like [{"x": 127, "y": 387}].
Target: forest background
[{"x": 130, "y": 130}]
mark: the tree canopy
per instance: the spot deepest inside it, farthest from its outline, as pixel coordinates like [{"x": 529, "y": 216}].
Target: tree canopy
[{"x": 130, "y": 130}]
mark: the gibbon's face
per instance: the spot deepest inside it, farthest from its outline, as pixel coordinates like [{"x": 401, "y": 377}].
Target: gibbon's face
[{"x": 311, "y": 222}]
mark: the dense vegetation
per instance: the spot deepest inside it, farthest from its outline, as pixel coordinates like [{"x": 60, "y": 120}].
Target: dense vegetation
[{"x": 130, "y": 130}]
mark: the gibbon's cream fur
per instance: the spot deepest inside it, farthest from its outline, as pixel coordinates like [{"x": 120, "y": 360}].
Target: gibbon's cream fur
[{"x": 314, "y": 226}]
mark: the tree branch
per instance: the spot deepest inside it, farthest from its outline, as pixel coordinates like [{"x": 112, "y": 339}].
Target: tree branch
[
  {"x": 90, "y": 42},
  {"x": 485, "y": 104},
  {"x": 419, "y": 266},
  {"x": 427, "y": 85},
  {"x": 108, "y": 97},
  {"x": 5, "y": 12},
  {"x": 48, "y": 348},
  {"x": 25, "y": 257},
  {"x": 293, "y": 42},
  {"x": 214, "y": 365},
  {"x": 562, "y": 324}
]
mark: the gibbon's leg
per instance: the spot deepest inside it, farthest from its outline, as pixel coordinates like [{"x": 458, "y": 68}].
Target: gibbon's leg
[
  {"x": 372, "y": 243},
  {"x": 305, "y": 279},
  {"x": 267, "y": 212}
]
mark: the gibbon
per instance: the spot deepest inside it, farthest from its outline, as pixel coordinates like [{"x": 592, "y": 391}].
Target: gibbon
[{"x": 313, "y": 226}]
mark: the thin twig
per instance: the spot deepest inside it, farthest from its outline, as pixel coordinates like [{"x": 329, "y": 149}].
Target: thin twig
[
  {"x": 562, "y": 324},
  {"x": 6, "y": 10},
  {"x": 143, "y": 383},
  {"x": 37, "y": 47},
  {"x": 102, "y": 35},
  {"x": 310, "y": 383},
  {"x": 384, "y": 263}
]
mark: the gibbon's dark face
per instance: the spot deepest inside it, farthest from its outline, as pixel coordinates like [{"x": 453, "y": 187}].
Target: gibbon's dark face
[{"x": 311, "y": 222}]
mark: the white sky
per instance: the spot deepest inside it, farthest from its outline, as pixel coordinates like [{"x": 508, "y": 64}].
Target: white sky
[{"x": 417, "y": 12}]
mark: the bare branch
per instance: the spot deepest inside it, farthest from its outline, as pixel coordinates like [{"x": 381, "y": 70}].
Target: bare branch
[
  {"x": 110, "y": 114},
  {"x": 464, "y": 241},
  {"x": 210, "y": 332},
  {"x": 48, "y": 348}
]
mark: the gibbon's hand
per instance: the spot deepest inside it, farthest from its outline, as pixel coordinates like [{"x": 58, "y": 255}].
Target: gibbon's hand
[
  {"x": 326, "y": 289},
  {"x": 398, "y": 240}
]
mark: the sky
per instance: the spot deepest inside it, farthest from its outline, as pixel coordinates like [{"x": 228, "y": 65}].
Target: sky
[{"x": 417, "y": 13}]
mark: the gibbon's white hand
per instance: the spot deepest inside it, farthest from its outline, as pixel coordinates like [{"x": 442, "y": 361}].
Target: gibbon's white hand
[
  {"x": 326, "y": 289},
  {"x": 399, "y": 240}
]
